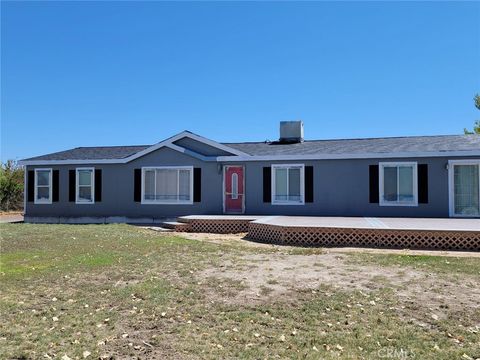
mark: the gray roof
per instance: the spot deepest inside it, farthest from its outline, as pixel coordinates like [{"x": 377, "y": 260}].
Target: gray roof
[
  {"x": 363, "y": 146},
  {"x": 93, "y": 153},
  {"x": 413, "y": 144}
]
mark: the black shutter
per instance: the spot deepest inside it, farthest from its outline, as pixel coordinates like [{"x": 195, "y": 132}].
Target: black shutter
[
  {"x": 267, "y": 184},
  {"x": 197, "y": 184},
  {"x": 308, "y": 184},
  {"x": 423, "y": 184},
  {"x": 374, "y": 184},
  {"x": 56, "y": 185},
  {"x": 31, "y": 185},
  {"x": 71, "y": 185},
  {"x": 98, "y": 185},
  {"x": 137, "y": 185}
]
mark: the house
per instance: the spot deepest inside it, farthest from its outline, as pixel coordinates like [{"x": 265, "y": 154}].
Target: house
[{"x": 420, "y": 176}]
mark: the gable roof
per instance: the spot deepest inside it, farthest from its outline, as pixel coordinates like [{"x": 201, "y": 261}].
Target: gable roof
[
  {"x": 124, "y": 154},
  {"x": 413, "y": 146}
]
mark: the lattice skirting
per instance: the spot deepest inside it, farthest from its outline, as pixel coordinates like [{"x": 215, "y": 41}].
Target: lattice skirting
[
  {"x": 219, "y": 226},
  {"x": 404, "y": 239},
  {"x": 182, "y": 227}
]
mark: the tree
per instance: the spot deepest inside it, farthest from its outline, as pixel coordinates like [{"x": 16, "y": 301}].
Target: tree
[
  {"x": 11, "y": 186},
  {"x": 476, "y": 126}
]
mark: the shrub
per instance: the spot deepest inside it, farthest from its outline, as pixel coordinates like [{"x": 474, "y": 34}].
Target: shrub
[{"x": 11, "y": 186}]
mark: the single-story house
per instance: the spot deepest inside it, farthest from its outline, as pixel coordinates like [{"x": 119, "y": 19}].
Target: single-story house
[{"x": 419, "y": 176}]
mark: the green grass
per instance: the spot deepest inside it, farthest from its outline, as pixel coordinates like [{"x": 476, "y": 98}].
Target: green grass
[
  {"x": 125, "y": 292},
  {"x": 438, "y": 264}
]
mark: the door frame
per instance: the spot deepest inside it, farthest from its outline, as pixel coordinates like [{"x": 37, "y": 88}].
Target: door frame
[
  {"x": 223, "y": 188},
  {"x": 451, "y": 189}
]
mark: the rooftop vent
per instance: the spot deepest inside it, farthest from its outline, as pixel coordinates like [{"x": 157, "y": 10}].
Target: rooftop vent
[{"x": 291, "y": 131}]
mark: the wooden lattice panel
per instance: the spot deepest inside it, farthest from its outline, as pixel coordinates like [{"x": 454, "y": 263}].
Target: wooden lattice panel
[
  {"x": 323, "y": 236},
  {"x": 182, "y": 228},
  {"x": 219, "y": 226}
]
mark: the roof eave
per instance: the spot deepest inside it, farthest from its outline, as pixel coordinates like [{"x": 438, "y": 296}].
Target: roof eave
[
  {"x": 169, "y": 142},
  {"x": 246, "y": 158}
]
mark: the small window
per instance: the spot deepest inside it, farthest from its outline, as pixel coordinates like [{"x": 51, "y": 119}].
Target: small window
[
  {"x": 234, "y": 186},
  {"x": 167, "y": 185},
  {"x": 85, "y": 186},
  {"x": 288, "y": 184},
  {"x": 43, "y": 186},
  {"x": 398, "y": 184}
]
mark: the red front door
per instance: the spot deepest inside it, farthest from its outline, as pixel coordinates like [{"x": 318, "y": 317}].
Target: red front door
[{"x": 234, "y": 189}]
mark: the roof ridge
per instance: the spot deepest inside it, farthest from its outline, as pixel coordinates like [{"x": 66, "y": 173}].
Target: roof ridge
[
  {"x": 365, "y": 138},
  {"x": 109, "y": 146},
  {"x": 391, "y": 137}
]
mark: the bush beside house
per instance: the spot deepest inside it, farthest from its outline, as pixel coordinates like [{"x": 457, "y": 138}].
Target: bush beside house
[{"x": 11, "y": 186}]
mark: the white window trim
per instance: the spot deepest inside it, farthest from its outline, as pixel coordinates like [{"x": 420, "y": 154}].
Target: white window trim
[
  {"x": 382, "y": 202},
  {"x": 77, "y": 187},
  {"x": 50, "y": 185},
  {"x": 302, "y": 184},
  {"x": 163, "y": 202},
  {"x": 451, "y": 189}
]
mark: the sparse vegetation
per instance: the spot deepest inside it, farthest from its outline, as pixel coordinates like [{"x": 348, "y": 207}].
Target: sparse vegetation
[
  {"x": 101, "y": 291},
  {"x": 11, "y": 186},
  {"x": 439, "y": 264},
  {"x": 476, "y": 126}
]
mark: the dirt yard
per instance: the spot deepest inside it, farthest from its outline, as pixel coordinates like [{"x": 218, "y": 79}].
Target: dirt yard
[
  {"x": 11, "y": 216},
  {"x": 118, "y": 291},
  {"x": 265, "y": 277}
]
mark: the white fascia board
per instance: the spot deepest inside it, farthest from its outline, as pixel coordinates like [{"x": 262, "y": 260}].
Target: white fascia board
[
  {"x": 70, "y": 162},
  {"x": 165, "y": 143},
  {"x": 191, "y": 153},
  {"x": 350, "y": 156},
  {"x": 241, "y": 156},
  {"x": 183, "y": 134},
  {"x": 214, "y": 144},
  {"x": 157, "y": 146}
]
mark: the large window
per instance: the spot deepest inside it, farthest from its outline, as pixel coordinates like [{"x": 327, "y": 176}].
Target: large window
[
  {"x": 288, "y": 184},
  {"x": 43, "y": 186},
  {"x": 398, "y": 184},
  {"x": 167, "y": 185},
  {"x": 464, "y": 188},
  {"x": 85, "y": 186}
]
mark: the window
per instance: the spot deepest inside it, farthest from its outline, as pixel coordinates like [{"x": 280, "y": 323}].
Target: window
[
  {"x": 288, "y": 184},
  {"x": 43, "y": 186},
  {"x": 398, "y": 184},
  {"x": 167, "y": 185},
  {"x": 85, "y": 186},
  {"x": 234, "y": 186},
  {"x": 464, "y": 178}
]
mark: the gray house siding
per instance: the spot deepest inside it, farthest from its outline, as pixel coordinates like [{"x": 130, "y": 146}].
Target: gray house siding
[
  {"x": 341, "y": 188},
  {"x": 200, "y": 147},
  {"x": 118, "y": 190}
]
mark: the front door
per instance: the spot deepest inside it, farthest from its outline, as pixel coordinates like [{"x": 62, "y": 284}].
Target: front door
[
  {"x": 465, "y": 188},
  {"x": 233, "y": 185}
]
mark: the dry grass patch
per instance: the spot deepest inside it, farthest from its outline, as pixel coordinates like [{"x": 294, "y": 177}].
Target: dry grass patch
[{"x": 116, "y": 291}]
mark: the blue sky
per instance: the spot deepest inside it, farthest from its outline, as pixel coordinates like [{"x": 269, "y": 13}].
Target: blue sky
[{"x": 104, "y": 73}]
